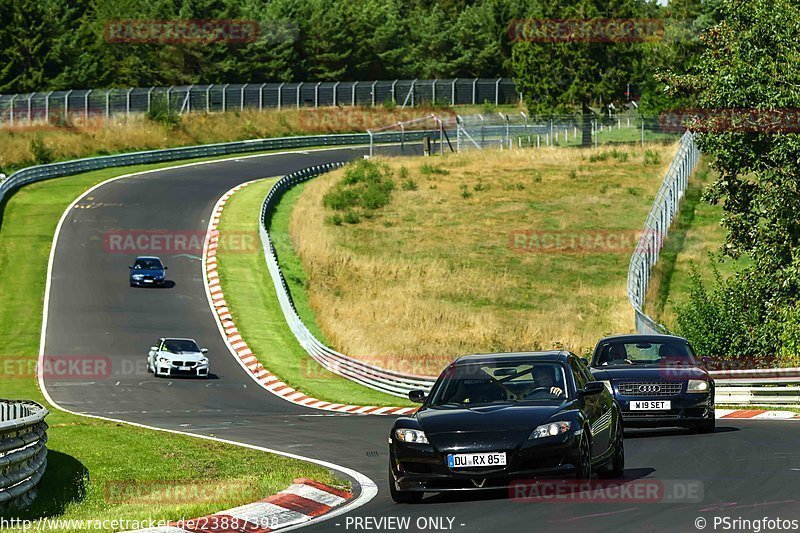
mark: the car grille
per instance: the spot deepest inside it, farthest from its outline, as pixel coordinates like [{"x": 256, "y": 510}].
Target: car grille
[
  {"x": 190, "y": 364},
  {"x": 650, "y": 388}
]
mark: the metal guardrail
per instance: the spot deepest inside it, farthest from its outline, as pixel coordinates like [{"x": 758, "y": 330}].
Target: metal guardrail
[
  {"x": 656, "y": 228},
  {"x": 388, "y": 381},
  {"x": 767, "y": 386},
  {"x": 86, "y": 104},
  {"x": 23, "y": 451},
  {"x": 76, "y": 166}
]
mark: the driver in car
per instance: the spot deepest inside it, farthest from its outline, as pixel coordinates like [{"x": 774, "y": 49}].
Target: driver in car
[{"x": 544, "y": 379}]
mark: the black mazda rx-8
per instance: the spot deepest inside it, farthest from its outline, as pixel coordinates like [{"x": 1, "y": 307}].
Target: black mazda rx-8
[{"x": 493, "y": 420}]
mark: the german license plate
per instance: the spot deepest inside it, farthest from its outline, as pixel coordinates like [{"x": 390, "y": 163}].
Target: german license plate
[
  {"x": 651, "y": 405},
  {"x": 184, "y": 368},
  {"x": 467, "y": 460},
  {"x": 148, "y": 281}
]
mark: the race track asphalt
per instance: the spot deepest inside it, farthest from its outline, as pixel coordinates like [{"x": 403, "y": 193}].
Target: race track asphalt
[{"x": 748, "y": 469}]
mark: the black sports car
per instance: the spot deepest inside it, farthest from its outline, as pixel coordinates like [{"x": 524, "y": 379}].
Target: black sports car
[
  {"x": 491, "y": 420},
  {"x": 657, "y": 381}
]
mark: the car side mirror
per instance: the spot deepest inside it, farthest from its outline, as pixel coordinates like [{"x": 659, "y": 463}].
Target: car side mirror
[
  {"x": 593, "y": 387},
  {"x": 166, "y": 268},
  {"x": 417, "y": 395},
  {"x": 130, "y": 268},
  {"x": 203, "y": 350},
  {"x": 587, "y": 360},
  {"x": 154, "y": 348}
]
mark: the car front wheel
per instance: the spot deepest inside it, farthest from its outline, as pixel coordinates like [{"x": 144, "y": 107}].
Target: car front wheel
[{"x": 583, "y": 466}]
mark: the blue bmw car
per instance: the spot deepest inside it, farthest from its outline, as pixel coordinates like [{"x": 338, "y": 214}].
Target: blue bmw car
[
  {"x": 657, "y": 381},
  {"x": 147, "y": 271}
]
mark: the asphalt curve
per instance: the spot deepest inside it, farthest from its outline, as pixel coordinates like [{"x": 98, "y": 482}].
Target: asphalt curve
[{"x": 747, "y": 470}]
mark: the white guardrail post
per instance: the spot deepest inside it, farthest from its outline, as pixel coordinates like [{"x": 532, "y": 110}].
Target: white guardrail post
[{"x": 23, "y": 452}]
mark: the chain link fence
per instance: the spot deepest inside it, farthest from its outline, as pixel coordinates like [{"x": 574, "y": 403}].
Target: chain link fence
[
  {"x": 63, "y": 106},
  {"x": 656, "y": 228}
]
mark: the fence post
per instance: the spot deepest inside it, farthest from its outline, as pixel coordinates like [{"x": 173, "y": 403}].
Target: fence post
[
  {"x": 353, "y": 95},
  {"x": 47, "y": 107},
  {"x": 208, "y": 98},
  {"x": 66, "y": 104},
  {"x": 108, "y": 98},
  {"x": 85, "y": 105},
  {"x": 497, "y": 91},
  {"x": 241, "y": 98},
  {"x": 299, "y": 85},
  {"x": 280, "y": 94},
  {"x": 413, "y": 90},
  {"x": 30, "y": 118},
  {"x": 127, "y": 102},
  {"x": 372, "y": 91},
  {"x": 316, "y": 94},
  {"x": 261, "y": 96},
  {"x": 169, "y": 99},
  {"x": 474, "y": 90},
  {"x": 394, "y": 94},
  {"x": 335, "y": 100},
  {"x": 11, "y": 114},
  {"x": 433, "y": 93},
  {"x": 225, "y": 97}
]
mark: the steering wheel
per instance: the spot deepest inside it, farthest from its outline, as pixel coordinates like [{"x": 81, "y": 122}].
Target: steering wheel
[{"x": 534, "y": 390}]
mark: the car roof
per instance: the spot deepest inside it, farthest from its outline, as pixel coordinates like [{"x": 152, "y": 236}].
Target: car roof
[
  {"x": 148, "y": 257},
  {"x": 551, "y": 356},
  {"x": 642, "y": 338},
  {"x": 178, "y": 339}
]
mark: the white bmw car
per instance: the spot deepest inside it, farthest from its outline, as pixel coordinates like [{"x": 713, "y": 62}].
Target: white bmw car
[{"x": 173, "y": 357}]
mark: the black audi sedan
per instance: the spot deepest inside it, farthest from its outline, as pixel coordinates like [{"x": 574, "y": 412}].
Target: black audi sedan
[
  {"x": 657, "y": 380},
  {"x": 493, "y": 420}
]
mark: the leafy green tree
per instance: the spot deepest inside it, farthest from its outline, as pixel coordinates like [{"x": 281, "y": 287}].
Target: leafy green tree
[{"x": 565, "y": 75}]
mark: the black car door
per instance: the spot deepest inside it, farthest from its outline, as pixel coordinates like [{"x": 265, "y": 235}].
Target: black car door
[{"x": 595, "y": 409}]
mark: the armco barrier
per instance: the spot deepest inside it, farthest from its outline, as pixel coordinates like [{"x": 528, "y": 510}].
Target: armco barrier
[
  {"x": 388, "y": 381},
  {"x": 23, "y": 454},
  {"x": 76, "y": 166}
]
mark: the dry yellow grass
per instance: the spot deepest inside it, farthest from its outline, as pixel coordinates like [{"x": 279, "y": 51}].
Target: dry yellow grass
[
  {"x": 435, "y": 274},
  {"x": 126, "y": 134}
]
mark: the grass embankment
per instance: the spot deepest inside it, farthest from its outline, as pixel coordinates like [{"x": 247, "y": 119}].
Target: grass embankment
[
  {"x": 29, "y": 145},
  {"x": 694, "y": 234},
  {"x": 479, "y": 252},
  {"x": 94, "y": 465},
  {"x": 250, "y": 296}
]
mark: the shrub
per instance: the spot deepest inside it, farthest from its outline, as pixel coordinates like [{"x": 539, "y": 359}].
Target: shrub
[
  {"x": 41, "y": 153},
  {"x": 481, "y": 186},
  {"x": 651, "y": 157},
  {"x": 409, "y": 185},
  {"x": 366, "y": 186},
  {"x": 465, "y": 191},
  {"x": 162, "y": 112},
  {"x": 428, "y": 170}
]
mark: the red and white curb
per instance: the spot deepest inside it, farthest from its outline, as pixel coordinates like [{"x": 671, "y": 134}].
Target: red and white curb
[
  {"x": 758, "y": 414},
  {"x": 238, "y": 346},
  {"x": 301, "y": 502}
]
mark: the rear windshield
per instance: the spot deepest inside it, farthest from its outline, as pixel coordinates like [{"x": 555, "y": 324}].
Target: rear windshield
[
  {"x": 643, "y": 353},
  {"x": 492, "y": 382}
]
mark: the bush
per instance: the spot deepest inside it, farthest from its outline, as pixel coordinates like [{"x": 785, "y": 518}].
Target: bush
[
  {"x": 428, "y": 170},
  {"x": 651, "y": 157},
  {"x": 365, "y": 187},
  {"x": 41, "y": 153},
  {"x": 465, "y": 191},
  {"x": 162, "y": 112},
  {"x": 481, "y": 186},
  {"x": 409, "y": 185},
  {"x": 733, "y": 319}
]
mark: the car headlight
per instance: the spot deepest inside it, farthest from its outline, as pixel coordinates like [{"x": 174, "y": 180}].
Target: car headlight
[
  {"x": 608, "y": 386},
  {"x": 203, "y": 361},
  {"x": 698, "y": 385},
  {"x": 163, "y": 360},
  {"x": 411, "y": 435},
  {"x": 550, "y": 430}
]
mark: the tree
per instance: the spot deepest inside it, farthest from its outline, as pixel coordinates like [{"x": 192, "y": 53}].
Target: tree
[{"x": 557, "y": 73}]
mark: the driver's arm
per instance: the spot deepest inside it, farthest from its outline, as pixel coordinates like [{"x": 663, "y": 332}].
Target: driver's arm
[{"x": 556, "y": 391}]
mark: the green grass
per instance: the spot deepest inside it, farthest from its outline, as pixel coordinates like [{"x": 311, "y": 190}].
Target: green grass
[
  {"x": 250, "y": 296},
  {"x": 694, "y": 234},
  {"x": 89, "y": 457}
]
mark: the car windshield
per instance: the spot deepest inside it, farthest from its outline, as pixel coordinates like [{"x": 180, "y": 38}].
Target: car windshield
[
  {"x": 496, "y": 382},
  {"x": 179, "y": 346},
  {"x": 147, "y": 264},
  {"x": 644, "y": 353}
]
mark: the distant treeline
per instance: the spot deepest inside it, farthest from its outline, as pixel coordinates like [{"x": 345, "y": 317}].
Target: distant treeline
[{"x": 60, "y": 44}]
